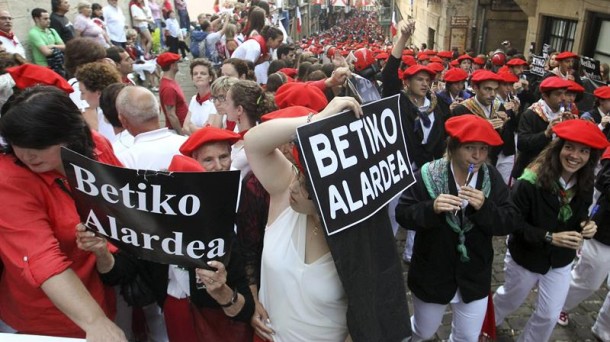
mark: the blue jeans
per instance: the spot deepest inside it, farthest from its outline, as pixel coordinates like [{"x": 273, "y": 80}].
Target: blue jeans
[
  {"x": 184, "y": 20},
  {"x": 160, "y": 27}
]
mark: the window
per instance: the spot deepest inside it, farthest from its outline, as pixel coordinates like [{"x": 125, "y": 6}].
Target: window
[{"x": 559, "y": 33}]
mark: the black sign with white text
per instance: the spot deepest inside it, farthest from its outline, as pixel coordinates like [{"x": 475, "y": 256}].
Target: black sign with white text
[
  {"x": 537, "y": 66},
  {"x": 179, "y": 218},
  {"x": 591, "y": 68},
  {"x": 356, "y": 166}
]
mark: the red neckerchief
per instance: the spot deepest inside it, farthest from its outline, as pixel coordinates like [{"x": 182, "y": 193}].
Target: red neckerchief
[
  {"x": 202, "y": 99},
  {"x": 242, "y": 133},
  {"x": 231, "y": 125},
  {"x": 10, "y": 36},
  {"x": 261, "y": 41}
]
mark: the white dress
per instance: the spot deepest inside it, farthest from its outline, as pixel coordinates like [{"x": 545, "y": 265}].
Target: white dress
[{"x": 305, "y": 302}]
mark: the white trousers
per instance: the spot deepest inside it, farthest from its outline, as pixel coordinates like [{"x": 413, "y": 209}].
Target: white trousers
[
  {"x": 589, "y": 273},
  {"x": 552, "y": 291},
  {"x": 504, "y": 165},
  {"x": 465, "y": 326},
  {"x": 602, "y": 325}
]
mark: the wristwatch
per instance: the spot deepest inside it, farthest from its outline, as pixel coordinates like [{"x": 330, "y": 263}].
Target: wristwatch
[{"x": 548, "y": 237}]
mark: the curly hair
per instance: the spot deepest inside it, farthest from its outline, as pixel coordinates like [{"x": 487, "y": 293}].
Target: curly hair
[
  {"x": 548, "y": 168},
  {"x": 203, "y": 62},
  {"x": 81, "y": 51},
  {"x": 97, "y": 75},
  {"x": 251, "y": 97}
]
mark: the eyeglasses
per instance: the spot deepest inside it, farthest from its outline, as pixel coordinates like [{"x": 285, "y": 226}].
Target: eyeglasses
[
  {"x": 6, "y": 18},
  {"x": 219, "y": 98}
]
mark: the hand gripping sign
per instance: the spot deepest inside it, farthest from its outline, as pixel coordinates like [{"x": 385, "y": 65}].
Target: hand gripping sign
[{"x": 356, "y": 166}]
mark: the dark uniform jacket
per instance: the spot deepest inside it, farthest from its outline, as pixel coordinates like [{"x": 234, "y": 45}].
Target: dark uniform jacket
[
  {"x": 436, "y": 271},
  {"x": 602, "y": 218},
  {"x": 419, "y": 153},
  {"x": 539, "y": 210},
  {"x": 530, "y": 140}
]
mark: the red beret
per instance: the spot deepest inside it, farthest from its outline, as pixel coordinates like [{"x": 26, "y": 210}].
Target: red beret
[
  {"x": 422, "y": 57},
  {"x": 602, "y": 93},
  {"x": 575, "y": 87},
  {"x": 300, "y": 94},
  {"x": 331, "y": 52},
  {"x": 430, "y": 52},
  {"x": 508, "y": 77},
  {"x": 471, "y": 128},
  {"x": 445, "y": 54},
  {"x": 182, "y": 163},
  {"x": 435, "y": 59},
  {"x": 167, "y": 58},
  {"x": 409, "y": 60},
  {"x": 516, "y": 62},
  {"x": 29, "y": 75},
  {"x": 415, "y": 69},
  {"x": 436, "y": 67},
  {"x": 454, "y": 63},
  {"x": 565, "y": 55},
  {"x": 484, "y": 75},
  {"x": 552, "y": 83},
  {"x": 290, "y": 72},
  {"x": 581, "y": 131},
  {"x": 382, "y": 55},
  {"x": 344, "y": 53},
  {"x": 206, "y": 135},
  {"x": 464, "y": 57},
  {"x": 288, "y": 112},
  {"x": 408, "y": 52},
  {"x": 455, "y": 75},
  {"x": 478, "y": 61}
]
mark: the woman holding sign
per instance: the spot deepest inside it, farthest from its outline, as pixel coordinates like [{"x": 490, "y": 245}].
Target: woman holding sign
[
  {"x": 457, "y": 205},
  {"x": 49, "y": 286},
  {"x": 553, "y": 195},
  {"x": 300, "y": 288}
]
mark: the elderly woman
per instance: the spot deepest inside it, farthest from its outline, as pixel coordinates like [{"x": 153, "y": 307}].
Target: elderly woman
[
  {"x": 201, "y": 105},
  {"x": 219, "y": 91},
  {"x": 86, "y": 27},
  {"x": 48, "y": 286},
  {"x": 457, "y": 205},
  {"x": 222, "y": 301},
  {"x": 300, "y": 288},
  {"x": 553, "y": 195}
]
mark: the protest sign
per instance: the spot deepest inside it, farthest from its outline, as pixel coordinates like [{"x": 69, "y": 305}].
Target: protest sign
[
  {"x": 590, "y": 68},
  {"x": 537, "y": 66},
  {"x": 356, "y": 166},
  {"x": 545, "y": 51},
  {"x": 178, "y": 218},
  {"x": 362, "y": 89}
]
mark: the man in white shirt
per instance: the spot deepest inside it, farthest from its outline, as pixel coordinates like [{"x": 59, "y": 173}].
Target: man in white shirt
[
  {"x": 115, "y": 23},
  {"x": 153, "y": 149},
  {"x": 8, "y": 39}
]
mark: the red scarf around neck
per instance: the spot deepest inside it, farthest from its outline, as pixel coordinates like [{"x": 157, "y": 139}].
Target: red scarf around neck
[
  {"x": 261, "y": 41},
  {"x": 201, "y": 99},
  {"x": 9, "y": 35}
]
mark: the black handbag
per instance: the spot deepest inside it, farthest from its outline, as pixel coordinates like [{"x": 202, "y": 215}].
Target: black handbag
[{"x": 55, "y": 61}]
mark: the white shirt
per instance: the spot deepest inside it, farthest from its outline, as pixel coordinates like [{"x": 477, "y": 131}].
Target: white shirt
[
  {"x": 250, "y": 50},
  {"x": 75, "y": 95},
  {"x": 13, "y": 46},
  {"x": 173, "y": 27},
  {"x": 104, "y": 127},
  {"x": 200, "y": 112},
  {"x": 115, "y": 23},
  {"x": 122, "y": 142},
  {"x": 305, "y": 302}
]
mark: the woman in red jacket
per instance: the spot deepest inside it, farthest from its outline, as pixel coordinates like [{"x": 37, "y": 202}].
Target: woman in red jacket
[{"x": 49, "y": 286}]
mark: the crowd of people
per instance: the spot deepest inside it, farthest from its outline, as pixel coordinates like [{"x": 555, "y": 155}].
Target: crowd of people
[{"x": 496, "y": 151}]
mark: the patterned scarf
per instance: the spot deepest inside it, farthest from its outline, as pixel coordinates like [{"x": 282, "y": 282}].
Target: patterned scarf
[
  {"x": 544, "y": 111},
  {"x": 436, "y": 179},
  {"x": 474, "y": 108},
  {"x": 565, "y": 196}
]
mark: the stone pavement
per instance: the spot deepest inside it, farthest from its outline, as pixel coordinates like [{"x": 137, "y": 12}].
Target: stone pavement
[{"x": 581, "y": 318}]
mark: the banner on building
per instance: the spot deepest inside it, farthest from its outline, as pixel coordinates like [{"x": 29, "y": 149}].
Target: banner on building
[
  {"x": 179, "y": 218},
  {"x": 356, "y": 166}
]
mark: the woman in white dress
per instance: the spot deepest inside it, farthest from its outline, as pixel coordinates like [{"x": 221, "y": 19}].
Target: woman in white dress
[
  {"x": 301, "y": 294},
  {"x": 201, "y": 105}
]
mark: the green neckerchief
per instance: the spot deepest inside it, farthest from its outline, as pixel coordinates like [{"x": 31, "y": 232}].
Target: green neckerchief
[
  {"x": 565, "y": 196},
  {"x": 436, "y": 179}
]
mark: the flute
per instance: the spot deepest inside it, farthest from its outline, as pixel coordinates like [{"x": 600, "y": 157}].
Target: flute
[
  {"x": 468, "y": 179},
  {"x": 590, "y": 217}
]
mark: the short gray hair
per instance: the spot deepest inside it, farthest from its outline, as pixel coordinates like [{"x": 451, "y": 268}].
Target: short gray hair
[{"x": 137, "y": 104}]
